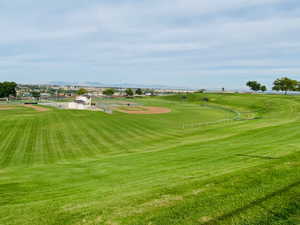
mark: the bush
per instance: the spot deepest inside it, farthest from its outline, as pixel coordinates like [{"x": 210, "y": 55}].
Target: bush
[{"x": 205, "y": 99}]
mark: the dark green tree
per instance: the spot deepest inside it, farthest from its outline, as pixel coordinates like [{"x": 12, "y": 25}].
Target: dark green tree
[
  {"x": 82, "y": 91},
  {"x": 129, "y": 92},
  {"x": 200, "y": 91},
  {"x": 7, "y": 89},
  {"x": 139, "y": 91},
  {"x": 285, "y": 84},
  {"x": 36, "y": 95},
  {"x": 109, "y": 91},
  {"x": 254, "y": 85},
  {"x": 263, "y": 88}
]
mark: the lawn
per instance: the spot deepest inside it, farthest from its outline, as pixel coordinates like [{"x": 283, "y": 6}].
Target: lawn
[{"x": 214, "y": 159}]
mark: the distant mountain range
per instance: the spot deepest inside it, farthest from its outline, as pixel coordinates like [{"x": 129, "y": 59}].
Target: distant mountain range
[{"x": 121, "y": 85}]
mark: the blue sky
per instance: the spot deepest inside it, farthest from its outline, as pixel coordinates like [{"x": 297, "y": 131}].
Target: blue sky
[{"x": 192, "y": 43}]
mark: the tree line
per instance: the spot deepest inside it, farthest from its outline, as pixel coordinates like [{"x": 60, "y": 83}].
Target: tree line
[
  {"x": 128, "y": 92},
  {"x": 284, "y": 84},
  {"x": 111, "y": 91}
]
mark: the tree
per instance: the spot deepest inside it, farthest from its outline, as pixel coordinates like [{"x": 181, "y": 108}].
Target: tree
[
  {"x": 254, "y": 85},
  {"x": 129, "y": 92},
  {"x": 139, "y": 91},
  {"x": 82, "y": 91},
  {"x": 285, "y": 84},
  {"x": 36, "y": 95},
  {"x": 109, "y": 91},
  {"x": 7, "y": 89},
  {"x": 200, "y": 91},
  {"x": 263, "y": 88},
  {"x": 298, "y": 86}
]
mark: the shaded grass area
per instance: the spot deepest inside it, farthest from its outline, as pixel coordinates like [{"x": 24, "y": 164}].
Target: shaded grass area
[{"x": 76, "y": 167}]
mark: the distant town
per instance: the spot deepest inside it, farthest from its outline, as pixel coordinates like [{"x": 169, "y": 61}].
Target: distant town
[
  {"x": 12, "y": 90},
  {"x": 64, "y": 91}
]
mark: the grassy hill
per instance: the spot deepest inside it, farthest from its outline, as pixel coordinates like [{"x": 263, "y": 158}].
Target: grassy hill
[{"x": 215, "y": 159}]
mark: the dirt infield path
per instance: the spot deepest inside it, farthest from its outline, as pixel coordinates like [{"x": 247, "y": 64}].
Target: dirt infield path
[
  {"x": 37, "y": 108},
  {"x": 147, "y": 110},
  {"x": 6, "y": 108}
]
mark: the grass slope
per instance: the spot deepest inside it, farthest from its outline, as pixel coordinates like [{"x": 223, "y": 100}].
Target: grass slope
[{"x": 232, "y": 160}]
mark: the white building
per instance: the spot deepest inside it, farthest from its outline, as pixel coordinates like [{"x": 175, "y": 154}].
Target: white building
[
  {"x": 83, "y": 99},
  {"x": 82, "y": 102},
  {"x": 75, "y": 105}
]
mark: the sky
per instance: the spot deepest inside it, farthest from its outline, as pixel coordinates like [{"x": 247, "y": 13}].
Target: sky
[{"x": 186, "y": 43}]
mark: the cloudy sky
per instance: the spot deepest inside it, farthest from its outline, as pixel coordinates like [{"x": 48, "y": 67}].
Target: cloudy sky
[{"x": 192, "y": 43}]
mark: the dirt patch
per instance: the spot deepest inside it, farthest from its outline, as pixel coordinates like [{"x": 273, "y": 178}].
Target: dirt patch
[
  {"x": 205, "y": 219},
  {"x": 144, "y": 110},
  {"x": 6, "y": 108},
  {"x": 131, "y": 108},
  {"x": 37, "y": 108}
]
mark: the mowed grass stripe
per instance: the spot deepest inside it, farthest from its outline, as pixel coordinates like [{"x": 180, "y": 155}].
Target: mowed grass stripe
[
  {"x": 6, "y": 131},
  {"x": 75, "y": 138},
  {"x": 48, "y": 145},
  {"x": 53, "y": 144},
  {"x": 128, "y": 135},
  {"x": 63, "y": 151},
  {"x": 86, "y": 145},
  {"x": 97, "y": 133},
  {"x": 40, "y": 156},
  {"x": 108, "y": 135},
  {"x": 122, "y": 134},
  {"x": 22, "y": 142},
  {"x": 138, "y": 131},
  {"x": 97, "y": 125},
  {"x": 145, "y": 135},
  {"x": 10, "y": 142},
  {"x": 72, "y": 143},
  {"x": 149, "y": 133},
  {"x": 92, "y": 140},
  {"x": 30, "y": 147}
]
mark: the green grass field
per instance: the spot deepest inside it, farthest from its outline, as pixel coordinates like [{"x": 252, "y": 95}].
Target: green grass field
[{"x": 232, "y": 160}]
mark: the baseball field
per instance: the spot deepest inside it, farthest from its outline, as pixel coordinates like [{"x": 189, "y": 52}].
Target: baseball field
[{"x": 206, "y": 159}]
